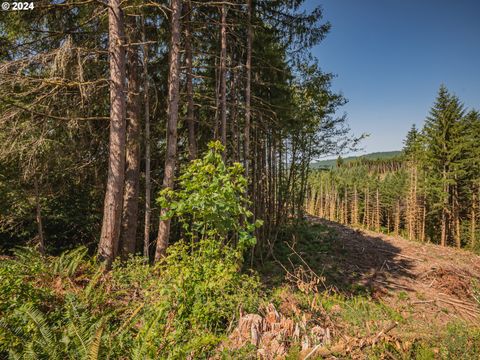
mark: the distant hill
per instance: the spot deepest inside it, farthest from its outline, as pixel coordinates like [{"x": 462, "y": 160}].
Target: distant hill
[{"x": 327, "y": 164}]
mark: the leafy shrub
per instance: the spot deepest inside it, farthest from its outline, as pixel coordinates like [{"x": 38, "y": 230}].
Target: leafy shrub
[{"x": 210, "y": 201}]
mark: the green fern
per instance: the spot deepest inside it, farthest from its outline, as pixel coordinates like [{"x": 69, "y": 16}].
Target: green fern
[
  {"x": 95, "y": 343},
  {"x": 43, "y": 340},
  {"x": 67, "y": 264},
  {"x": 95, "y": 280}
]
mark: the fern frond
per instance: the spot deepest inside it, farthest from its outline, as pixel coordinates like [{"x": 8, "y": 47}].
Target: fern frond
[
  {"x": 68, "y": 262},
  {"x": 13, "y": 355},
  {"x": 46, "y": 341},
  {"x": 128, "y": 321},
  {"x": 94, "y": 281},
  {"x": 29, "y": 352},
  {"x": 28, "y": 257},
  {"x": 95, "y": 344},
  {"x": 143, "y": 338}
]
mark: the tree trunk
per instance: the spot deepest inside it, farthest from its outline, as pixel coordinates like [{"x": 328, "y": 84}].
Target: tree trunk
[
  {"x": 38, "y": 217},
  {"x": 355, "y": 206},
  {"x": 172, "y": 113},
  {"x": 223, "y": 76},
  {"x": 415, "y": 204},
  {"x": 248, "y": 110},
  {"x": 320, "y": 210},
  {"x": 410, "y": 213},
  {"x": 473, "y": 218},
  {"x": 346, "y": 206},
  {"x": 456, "y": 217},
  {"x": 424, "y": 217},
  {"x": 443, "y": 235},
  {"x": 366, "y": 216},
  {"x": 192, "y": 142},
  {"x": 396, "y": 225},
  {"x": 233, "y": 115},
  {"x": 132, "y": 155},
  {"x": 112, "y": 213},
  {"x": 148, "y": 184},
  {"x": 388, "y": 221}
]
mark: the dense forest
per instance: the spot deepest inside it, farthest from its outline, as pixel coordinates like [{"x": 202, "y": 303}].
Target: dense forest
[
  {"x": 155, "y": 180},
  {"x": 170, "y": 78},
  {"x": 429, "y": 193}
]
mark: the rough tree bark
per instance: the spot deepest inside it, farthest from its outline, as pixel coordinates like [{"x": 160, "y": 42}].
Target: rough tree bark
[
  {"x": 473, "y": 218},
  {"x": 172, "y": 113},
  {"x": 38, "y": 217},
  {"x": 112, "y": 213},
  {"x": 132, "y": 155},
  {"x": 223, "y": 76},
  {"x": 192, "y": 142},
  {"x": 248, "y": 110},
  {"x": 446, "y": 191},
  {"x": 148, "y": 184}
]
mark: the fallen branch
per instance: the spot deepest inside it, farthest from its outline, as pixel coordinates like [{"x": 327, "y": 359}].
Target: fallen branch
[
  {"x": 383, "y": 332},
  {"x": 343, "y": 349},
  {"x": 458, "y": 301},
  {"x": 401, "y": 255},
  {"x": 393, "y": 286},
  {"x": 457, "y": 305},
  {"x": 422, "y": 302}
]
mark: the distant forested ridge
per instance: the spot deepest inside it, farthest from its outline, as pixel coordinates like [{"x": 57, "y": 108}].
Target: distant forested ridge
[
  {"x": 430, "y": 192},
  {"x": 326, "y": 164}
]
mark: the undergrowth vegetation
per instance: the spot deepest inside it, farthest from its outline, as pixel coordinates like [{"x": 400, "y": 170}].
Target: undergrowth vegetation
[{"x": 69, "y": 307}]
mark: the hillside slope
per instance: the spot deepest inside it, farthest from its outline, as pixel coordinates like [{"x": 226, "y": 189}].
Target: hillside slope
[
  {"x": 436, "y": 284},
  {"x": 363, "y": 295}
]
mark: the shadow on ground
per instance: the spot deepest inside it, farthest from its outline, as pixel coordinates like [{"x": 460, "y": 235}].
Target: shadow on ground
[{"x": 348, "y": 260}]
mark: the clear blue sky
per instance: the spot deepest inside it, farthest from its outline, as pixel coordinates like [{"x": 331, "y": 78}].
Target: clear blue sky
[{"x": 390, "y": 57}]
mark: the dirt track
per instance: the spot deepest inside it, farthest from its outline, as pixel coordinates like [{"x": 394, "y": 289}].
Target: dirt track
[{"x": 434, "y": 283}]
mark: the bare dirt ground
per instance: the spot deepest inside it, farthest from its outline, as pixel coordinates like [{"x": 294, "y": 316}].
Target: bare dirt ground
[{"x": 434, "y": 283}]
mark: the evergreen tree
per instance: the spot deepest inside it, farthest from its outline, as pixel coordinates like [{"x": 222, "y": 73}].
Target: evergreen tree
[
  {"x": 412, "y": 148},
  {"x": 339, "y": 161},
  {"x": 441, "y": 132},
  {"x": 471, "y": 166}
]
